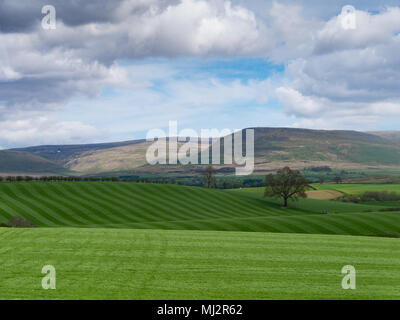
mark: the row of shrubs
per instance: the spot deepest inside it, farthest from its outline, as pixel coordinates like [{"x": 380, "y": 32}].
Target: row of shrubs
[
  {"x": 63, "y": 178},
  {"x": 189, "y": 182},
  {"x": 371, "y": 196},
  {"x": 18, "y": 222}
]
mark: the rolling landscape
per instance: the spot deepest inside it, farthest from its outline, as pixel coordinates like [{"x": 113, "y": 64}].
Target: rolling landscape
[
  {"x": 150, "y": 241},
  {"x": 138, "y": 239},
  {"x": 198, "y": 150},
  {"x": 274, "y": 147}
]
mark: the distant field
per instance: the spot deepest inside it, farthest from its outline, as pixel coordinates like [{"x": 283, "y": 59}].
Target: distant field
[
  {"x": 152, "y": 206},
  {"x": 154, "y": 264},
  {"x": 359, "y": 188},
  {"x": 334, "y": 190},
  {"x": 324, "y": 194}
]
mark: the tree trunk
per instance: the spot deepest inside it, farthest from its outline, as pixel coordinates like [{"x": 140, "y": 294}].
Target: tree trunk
[{"x": 285, "y": 202}]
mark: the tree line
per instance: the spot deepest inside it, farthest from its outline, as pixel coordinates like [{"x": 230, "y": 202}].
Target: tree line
[{"x": 68, "y": 178}]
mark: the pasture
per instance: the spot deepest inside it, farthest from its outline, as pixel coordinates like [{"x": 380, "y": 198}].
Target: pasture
[
  {"x": 331, "y": 191},
  {"x": 353, "y": 188},
  {"x": 115, "y": 240},
  {"x": 152, "y": 206},
  {"x": 161, "y": 264}
]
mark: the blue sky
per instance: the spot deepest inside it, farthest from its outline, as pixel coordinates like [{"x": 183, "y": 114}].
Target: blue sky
[
  {"x": 108, "y": 75},
  {"x": 168, "y": 90}
]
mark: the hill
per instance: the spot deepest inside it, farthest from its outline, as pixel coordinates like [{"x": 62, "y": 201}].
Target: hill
[
  {"x": 17, "y": 162},
  {"x": 334, "y": 148},
  {"x": 62, "y": 154},
  {"x": 274, "y": 148},
  {"x": 153, "y": 206},
  {"x": 393, "y": 136}
]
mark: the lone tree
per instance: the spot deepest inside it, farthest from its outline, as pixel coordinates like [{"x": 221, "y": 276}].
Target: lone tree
[
  {"x": 338, "y": 179},
  {"x": 286, "y": 184},
  {"x": 209, "y": 177}
]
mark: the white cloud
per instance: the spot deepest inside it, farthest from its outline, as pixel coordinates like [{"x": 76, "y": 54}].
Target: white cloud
[
  {"x": 333, "y": 75},
  {"x": 41, "y": 70},
  {"x": 42, "y": 130},
  {"x": 298, "y": 104},
  {"x": 351, "y": 76},
  {"x": 370, "y": 30}
]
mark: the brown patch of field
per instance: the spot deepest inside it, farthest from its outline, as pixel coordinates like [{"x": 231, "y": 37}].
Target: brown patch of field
[{"x": 324, "y": 194}]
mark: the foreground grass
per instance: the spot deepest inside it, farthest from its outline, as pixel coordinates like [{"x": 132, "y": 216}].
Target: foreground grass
[{"x": 156, "y": 264}]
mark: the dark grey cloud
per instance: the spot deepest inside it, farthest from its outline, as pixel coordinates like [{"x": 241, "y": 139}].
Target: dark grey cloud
[{"x": 25, "y": 15}]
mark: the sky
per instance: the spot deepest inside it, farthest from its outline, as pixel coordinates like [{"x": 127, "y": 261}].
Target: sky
[{"x": 113, "y": 70}]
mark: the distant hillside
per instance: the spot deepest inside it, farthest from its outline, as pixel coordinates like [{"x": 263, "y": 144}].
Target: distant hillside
[
  {"x": 393, "y": 136},
  {"x": 17, "y": 162},
  {"x": 286, "y": 144},
  {"x": 62, "y": 154},
  {"x": 274, "y": 148}
]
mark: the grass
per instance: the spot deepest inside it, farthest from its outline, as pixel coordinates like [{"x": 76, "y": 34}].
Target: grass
[
  {"x": 151, "y": 206},
  {"x": 350, "y": 188},
  {"x": 98, "y": 236},
  {"x": 108, "y": 204},
  {"x": 359, "y": 188},
  {"x": 154, "y": 264}
]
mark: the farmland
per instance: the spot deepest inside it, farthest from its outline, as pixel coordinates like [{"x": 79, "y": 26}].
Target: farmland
[
  {"x": 151, "y": 206},
  {"x": 359, "y": 188},
  {"x": 154, "y": 264},
  {"x": 331, "y": 191},
  {"x": 117, "y": 240}
]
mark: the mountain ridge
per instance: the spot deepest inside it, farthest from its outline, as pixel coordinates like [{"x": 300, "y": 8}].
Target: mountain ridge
[{"x": 274, "y": 147}]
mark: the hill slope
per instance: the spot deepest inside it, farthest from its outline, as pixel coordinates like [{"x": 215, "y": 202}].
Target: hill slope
[
  {"x": 393, "y": 136},
  {"x": 17, "y": 162},
  {"x": 62, "y": 154},
  {"x": 286, "y": 144},
  {"x": 274, "y": 148},
  {"x": 148, "y": 206}
]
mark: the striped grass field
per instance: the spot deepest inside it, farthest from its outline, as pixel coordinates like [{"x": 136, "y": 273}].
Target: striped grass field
[
  {"x": 170, "y": 264},
  {"x": 152, "y": 206},
  {"x": 90, "y": 234}
]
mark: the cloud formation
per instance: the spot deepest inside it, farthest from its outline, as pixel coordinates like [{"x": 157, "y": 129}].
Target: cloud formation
[
  {"x": 350, "y": 74},
  {"x": 331, "y": 73}
]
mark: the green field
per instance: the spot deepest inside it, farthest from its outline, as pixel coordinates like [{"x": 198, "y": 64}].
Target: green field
[
  {"x": 359, "y": 188},
  {"x": 151, "y": 206},
  {"x": 351, "y": 188},
  {"x": 210, "y": 244},
  {"x": 154, "y": 264}
]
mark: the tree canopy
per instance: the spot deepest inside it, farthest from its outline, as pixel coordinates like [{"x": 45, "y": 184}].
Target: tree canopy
[{"x": 286, "y": 184}]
